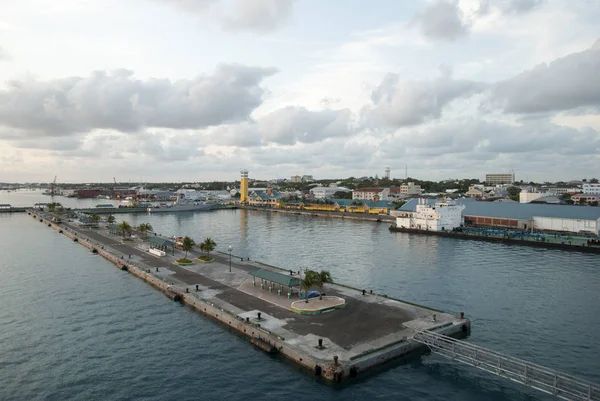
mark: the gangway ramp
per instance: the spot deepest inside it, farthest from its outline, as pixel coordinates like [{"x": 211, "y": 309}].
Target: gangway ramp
[{"x": 549, "y": 381}]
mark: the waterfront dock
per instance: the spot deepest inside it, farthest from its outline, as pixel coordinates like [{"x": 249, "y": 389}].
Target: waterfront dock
[
  {"x": 561, "y": 241},
  {"x": 333, "y": 342}
]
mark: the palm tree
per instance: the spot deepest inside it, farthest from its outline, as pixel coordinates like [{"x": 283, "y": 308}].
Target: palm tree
[
  {"x": 95, "y": 218},
  {"x": 314, "y": 278},
  {"x": 187, "y": 245},
  {"x": 321, "y": 278},
  {"x": 144, "y": 228},
  {"x": 209, "y": 245},
  {"x": 307, "y": 282},
  {"x": 110, "y": 219},
  {"x": 202, "y": 247},
  {"x": 53, "y": 206},
  {"x": 124, "y": 228}
]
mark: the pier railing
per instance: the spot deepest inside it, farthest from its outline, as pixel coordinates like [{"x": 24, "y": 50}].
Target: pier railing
[{"x": 549, "y": 381}]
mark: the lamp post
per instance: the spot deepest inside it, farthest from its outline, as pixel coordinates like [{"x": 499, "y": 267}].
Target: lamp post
[{"x": 230, "y": 249}]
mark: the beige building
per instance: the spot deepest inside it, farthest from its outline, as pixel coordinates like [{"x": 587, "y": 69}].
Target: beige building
[
  {"x": 367, "y": 194},
  {"x": 502, "y": 178},
  {"x": 410, "y": 189}
]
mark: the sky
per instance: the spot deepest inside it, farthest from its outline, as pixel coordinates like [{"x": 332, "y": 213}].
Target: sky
[{"x": 195, "y": 90}]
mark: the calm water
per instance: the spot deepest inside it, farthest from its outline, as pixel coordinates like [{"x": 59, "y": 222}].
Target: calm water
[{"x": 75, "y": 327}]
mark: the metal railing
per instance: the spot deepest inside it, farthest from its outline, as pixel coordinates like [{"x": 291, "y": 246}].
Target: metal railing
[{"x": 549, "y": 381}]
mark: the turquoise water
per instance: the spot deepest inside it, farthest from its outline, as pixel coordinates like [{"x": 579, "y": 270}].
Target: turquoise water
[{"x": 75, "y": 327}]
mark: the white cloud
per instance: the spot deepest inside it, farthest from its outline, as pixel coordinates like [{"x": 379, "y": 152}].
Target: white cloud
[
  {"x": 400, "y": 103},
  {"x": 567, "y": 83},
  {"x": 118, "y": 101}
]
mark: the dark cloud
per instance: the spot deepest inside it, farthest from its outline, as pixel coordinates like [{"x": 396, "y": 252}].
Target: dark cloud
[
  {"x": 118, "y": 101},
  {"x": 290, "y": 125},
  {"x": 400, "y": 103},
  {"x": 565, "y": 84},
  {"x": 442, "y": 20},
  {"x": 491, "y": 139}
]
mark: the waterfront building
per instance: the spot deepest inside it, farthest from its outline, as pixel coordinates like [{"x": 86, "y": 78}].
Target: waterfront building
[
  {"x": 591, "y": 188},
  {"x": 440, "y": 216},
  {"x": 326, "y": 192},
  {"x": 264, "y": 199},
  {"x": 502, "y": 178},
  {"x": 524, "y": 215},
  {"x": 372, "y": 194}
]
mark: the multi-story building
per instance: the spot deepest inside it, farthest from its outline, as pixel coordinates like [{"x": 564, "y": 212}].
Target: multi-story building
[
  {"x": 591, "y": 188},
  {"x": 307, "y": 178},
  {"x": 372, "y": 194},
  {"x": 502, "y": 178},
  {"x": 296, "y": 178},
  {"x": 584, "y": 198},
  {"x": 410, "y": 188},
  {"x": 441, "y": 216},
  {"x": 563, "y": 190}
]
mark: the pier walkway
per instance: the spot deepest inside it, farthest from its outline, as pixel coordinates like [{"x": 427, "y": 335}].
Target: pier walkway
[
  {"x": 370, "y": 330},
  {"x": 549, "y": 381}
]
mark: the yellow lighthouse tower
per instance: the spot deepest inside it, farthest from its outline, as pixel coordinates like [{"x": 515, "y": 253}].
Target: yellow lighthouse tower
[{"x": 244, "y": 186}]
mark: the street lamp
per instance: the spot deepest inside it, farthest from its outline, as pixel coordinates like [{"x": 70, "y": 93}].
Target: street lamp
[{"x": 230, "y": 249}]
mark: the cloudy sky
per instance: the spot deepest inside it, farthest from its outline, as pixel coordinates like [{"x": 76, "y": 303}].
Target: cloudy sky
[{"x": 194, "y": 90}]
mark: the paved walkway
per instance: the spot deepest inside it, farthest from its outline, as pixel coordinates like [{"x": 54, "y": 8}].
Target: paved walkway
[{"x": 365, "y": 318}]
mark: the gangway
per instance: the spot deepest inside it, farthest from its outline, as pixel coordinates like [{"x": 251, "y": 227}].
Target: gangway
[{"x": 549, "y": 381}]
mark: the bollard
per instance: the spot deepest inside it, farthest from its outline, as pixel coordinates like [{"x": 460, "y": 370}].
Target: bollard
[
  {"x": 364, "y": 292},
  {"x": 320, "y": 343},
  {"x": 335, "y": 360},
  {"x": 462, "y": 315},
  {"x": 196, "y": 287},
  {"x": 259, "y": 318},
  {"x": 247, "y": 320},
  {"x": 157, "y": 269},
  {"x": 279, "y": 293},
  {"x": 187, "y": 290},
  {"x": 289, "y": 295}
]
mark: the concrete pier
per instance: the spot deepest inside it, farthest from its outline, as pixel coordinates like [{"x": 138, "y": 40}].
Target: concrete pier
[{"x": 370, "y": 330}]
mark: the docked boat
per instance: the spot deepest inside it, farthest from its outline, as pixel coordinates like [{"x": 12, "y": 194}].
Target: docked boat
[{"x": 187, "y": 201}]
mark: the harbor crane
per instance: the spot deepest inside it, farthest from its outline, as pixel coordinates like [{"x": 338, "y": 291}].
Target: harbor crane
[{"x": 53, "y": 187}]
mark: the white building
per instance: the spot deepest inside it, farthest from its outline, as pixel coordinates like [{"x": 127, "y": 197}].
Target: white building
[
  {"x": 326, "y": 192},
  {"x": 296, "y": 178},
  {"x": 566, "y": 225},
  {"x": 526, "y": 196},
  {"x": 589, "y": 188},
  {"x": 442, "y": 216}
]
